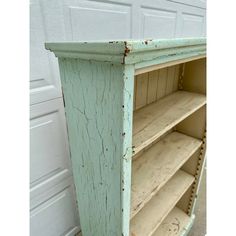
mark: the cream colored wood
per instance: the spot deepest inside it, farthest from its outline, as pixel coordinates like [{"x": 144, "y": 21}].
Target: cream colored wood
[
  {"x": 162, "y": 83},
  {"x": 170, "y": 80},
  {"x": 163, "y": 65},
  {"x": 195, "y": 76},
  {"x": 157, "y": 118},
  {"x": 152, "y": 86},
  {"x": 184, "y": 202},
  {"x": 157, "y": 165},
  {"x": 146, "y": 222},
  {"x": 153, "y": 143},
  {"x": 191, "y": 164},
  {"x": 195, "y": 124},
  {"x": 176, "y": 78},
  {"x": 149, "y": 88},
  {"x": 174, "y": 224},
  {"x": 141, "y": 92}
]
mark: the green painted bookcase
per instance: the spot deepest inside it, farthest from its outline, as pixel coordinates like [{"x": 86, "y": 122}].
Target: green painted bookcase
[{"x": 136, "y": 117}]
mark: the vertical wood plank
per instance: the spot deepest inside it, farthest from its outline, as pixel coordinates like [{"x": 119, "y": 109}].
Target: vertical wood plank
[
  {"x": 161, "y": 83},
  {"x": 176, "y": 79},
  {"x": 152, "y": 86},
  {"x": 141, "y": 92},
  {"x": 170, "y": 80}
]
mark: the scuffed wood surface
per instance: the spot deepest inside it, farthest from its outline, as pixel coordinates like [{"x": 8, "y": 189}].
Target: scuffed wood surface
[
  {"x": 146, "y": 222},
  {"x": 156, "y": 119},
  {"x": 174, "y": 224},
  {"x": 157, "y": 165},
  {"x": 98, "y": 105}
]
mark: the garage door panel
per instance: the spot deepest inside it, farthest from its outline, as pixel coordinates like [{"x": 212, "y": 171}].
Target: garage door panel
[
  {"x": 85, "y": 20},
  {"x": 48, "y": 147},
  {"x": 55, "y": 216},
  {"x": 44, "y": 85},
  {"x": 158, "y": 23},
  {"x": 195, "y": 3},
  {"x": 192, "y": 25}
]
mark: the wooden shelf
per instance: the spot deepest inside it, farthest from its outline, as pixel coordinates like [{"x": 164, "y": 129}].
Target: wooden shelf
[
  {"x": 175, "y": 224},
  {"x": 157, "y": 165},
  {"x": 157, "y": 118},
  {"x": 151, "y": 216}
]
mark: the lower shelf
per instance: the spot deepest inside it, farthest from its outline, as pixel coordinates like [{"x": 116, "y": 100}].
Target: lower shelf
[
  {"x": 157, "y": 165},
  {"x": 177, "y": 223},
  {"x": 149, "y": 218}
]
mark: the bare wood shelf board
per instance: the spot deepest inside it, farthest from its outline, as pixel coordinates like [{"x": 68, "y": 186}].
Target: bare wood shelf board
[
  {"x": 174, "y": 224},
  {"x": 156, "y": 119},
  {"x": 157, "y": 165},
  {"x": 151, "y": 216}
]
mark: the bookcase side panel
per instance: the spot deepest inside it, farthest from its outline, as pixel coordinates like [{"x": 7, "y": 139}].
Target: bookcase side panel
[{"x": 93, "y": 95}]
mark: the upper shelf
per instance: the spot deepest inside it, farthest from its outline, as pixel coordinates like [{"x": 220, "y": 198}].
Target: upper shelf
[
  {"x": 157, "y": 118},
  {"x": 142, "y": 53}
]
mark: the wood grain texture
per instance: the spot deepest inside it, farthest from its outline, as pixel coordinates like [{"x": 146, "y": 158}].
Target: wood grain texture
[
  {"x": 174, "y": 224},
  {"x": 157, "y": 165},
  {"x": 170, "y": 80},
  {"x": 157, "y": 118},
  {"x": 152, "y": 86},
  {"x": 98, "y": 103},
  {"x": 151, "y": 216},
  {"x": 162, "y": 81},
  {"x": 176, "y": 78},
  {"x": 142, "y": 91}
]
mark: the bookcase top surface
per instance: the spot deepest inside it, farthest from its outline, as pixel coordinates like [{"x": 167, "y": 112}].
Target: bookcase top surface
[{"x": 128, "y": 51}]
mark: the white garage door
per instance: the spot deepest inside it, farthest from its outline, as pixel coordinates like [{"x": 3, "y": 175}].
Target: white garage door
[{"x": 53, "y": 205}]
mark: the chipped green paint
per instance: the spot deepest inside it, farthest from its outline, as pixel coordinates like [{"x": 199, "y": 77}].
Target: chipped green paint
[
  {"x": 98, "y": 103},
  {"x": 131, "y": 52},
  {"x": 97, "y": 82}
]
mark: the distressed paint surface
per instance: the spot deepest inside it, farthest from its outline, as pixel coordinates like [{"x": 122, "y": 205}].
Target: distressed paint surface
[
  {"x": 137, "y": 52},
  {"x": 128, "y": 78},
  {"x": 98, "y": 81},
  {"x": 98, "y": 103}
]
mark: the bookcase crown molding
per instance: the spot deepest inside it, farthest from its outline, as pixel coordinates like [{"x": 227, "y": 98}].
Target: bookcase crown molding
[{"x": 131, "y": 51}]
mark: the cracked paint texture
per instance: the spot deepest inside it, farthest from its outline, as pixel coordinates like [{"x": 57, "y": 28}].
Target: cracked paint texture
[{"x": 98, "y": 104}]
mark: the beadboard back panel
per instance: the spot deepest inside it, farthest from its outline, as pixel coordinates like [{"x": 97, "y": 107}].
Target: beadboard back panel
[{"x": 152, "y": 86}]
